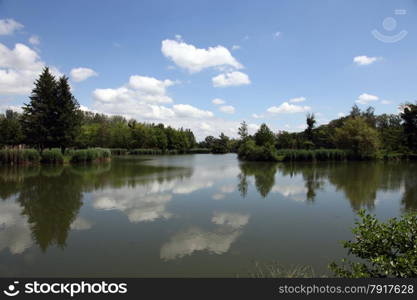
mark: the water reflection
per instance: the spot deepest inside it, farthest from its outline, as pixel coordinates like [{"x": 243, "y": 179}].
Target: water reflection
[
  {"x": 217, "y": 241},
  {"x": 360, "y": 182},
  {"x": 181, "y": 206}
]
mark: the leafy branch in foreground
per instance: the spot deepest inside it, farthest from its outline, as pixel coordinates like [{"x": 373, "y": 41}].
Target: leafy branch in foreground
[{"x": 385, "y": 249}]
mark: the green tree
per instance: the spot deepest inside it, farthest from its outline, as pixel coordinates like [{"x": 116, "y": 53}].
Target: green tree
[
  {"x": 11, "y": 133},
  {"x": 386, "y": 249},
  {"x": 358, "y": 136},
  {"x": 243, "y": 131},
  {"x": 264, "y": 136},
  {"x": 310, "y": 120},
  {"x": 67, "y": 119},
  {"x": 409, "y": 116},
  {"x": 38, "y": 114}
]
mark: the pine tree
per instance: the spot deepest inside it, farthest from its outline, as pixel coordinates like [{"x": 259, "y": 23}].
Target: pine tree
[
  {"x": 51, "y": 118},
  {"x": 68, "y": 118},
  {"x": 37, "y": 115}
]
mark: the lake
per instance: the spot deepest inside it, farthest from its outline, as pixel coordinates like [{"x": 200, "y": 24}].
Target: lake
[{"x": 189, "y": 215}]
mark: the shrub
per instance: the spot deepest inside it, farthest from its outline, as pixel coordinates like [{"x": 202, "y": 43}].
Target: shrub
[
  {"x": 52, "y": 156},
  {"x": 387, "y": 249},
  {"x": 90, "y": 155},
  {"x": 19, "y": 156},
  {"x": 252, "y": 152}
]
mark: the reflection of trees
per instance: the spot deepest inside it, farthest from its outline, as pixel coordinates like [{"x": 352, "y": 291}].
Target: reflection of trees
[
  {"x": 264, "y": 174},
  {"x": 409, "y": 199},
  {"x": 360, "y": 181},
  {"x": 51, "y": 196},
  {"x": 51, "y": 203}
]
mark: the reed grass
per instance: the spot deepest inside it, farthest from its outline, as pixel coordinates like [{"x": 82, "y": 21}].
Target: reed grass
[{"x": 19, "y": 156}]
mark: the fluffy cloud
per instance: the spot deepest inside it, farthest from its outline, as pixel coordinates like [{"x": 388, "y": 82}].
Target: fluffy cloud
[
  {"x": 364, "y": 60},
  {"x": 196, "y": 59},
  {"x": 235, "y": 47},
  {"x": 80, "y": 74},
  {"x": 19, "y": 67},
  {"x": 366, "y": 98},
  {"x": 230, "y": 79},
  {"x": 34, "y": 40},
  {"x": 386, "y": 102},
  {"x": 140, "y": 90},
  {"x": 286, "y": 108},
  {"x": 218, "y": 101},
  {"x": 234, "y": 220},
  {"x": 9, "y": 26},
  {"x": 185, "y": 110},
  {"x": 228, "y": 109},
  {"x": 256, "y": 116},
  {"x": 297, "y": 100}
]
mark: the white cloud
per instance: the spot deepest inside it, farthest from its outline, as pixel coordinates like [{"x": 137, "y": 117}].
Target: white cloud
[
  {"x": 286, "y": 108},
  {"x": 256, "y": 116},
  {"x": 386, "y": 102},
  {"x": 81, "y": 224},
  {"x": 186, "y": 110},
  {"x": 234, "y": 220},
  {"x": 196, "y": 59},
  {"x": 218, "y": 101},
  {"x": 228, "y": 109},
  {"x": 366, "y": 98},
  {"x": 297, "y": 100},
  {"x": 364, "y": 60},
  {"x": 19, "y": 67},
  {"x": 341, "y": 115},
  {"x": 80, "y": 74},
  {"x": 235, "y": 47},
  {"x": 34, "y": 40},
  {"x": 230, "y": 79},
  {"x": 9, "y": 26}
]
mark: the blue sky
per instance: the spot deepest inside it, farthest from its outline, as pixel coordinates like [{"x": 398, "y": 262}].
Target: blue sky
[{"x": 165, "y": 61}]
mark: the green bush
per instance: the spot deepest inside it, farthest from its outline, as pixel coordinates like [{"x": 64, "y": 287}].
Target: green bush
[
  {"x": 386, "y": 249},
  {"x": 252, "y": 152},
  {"x": 90, "y": 155},
  {"x": 52, "y": 156},
  {"x": 19, "y": 156}
]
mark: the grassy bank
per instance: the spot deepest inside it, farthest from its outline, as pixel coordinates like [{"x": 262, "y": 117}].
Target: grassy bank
[
  {"x": 52, "y": 156},
  {"x": 144, "y": 151}
]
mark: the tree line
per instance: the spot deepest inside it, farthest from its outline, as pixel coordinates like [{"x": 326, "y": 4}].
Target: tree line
[
  {"x": 53, "y": 119},
  {"x": 362, "y": 134}
]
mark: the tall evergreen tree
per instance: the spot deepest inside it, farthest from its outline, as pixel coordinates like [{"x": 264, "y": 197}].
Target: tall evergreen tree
[
  {"x": 68, "y": 117},
  {"x": 37, "y": 115},
  {"x": 51, "y": 118}
]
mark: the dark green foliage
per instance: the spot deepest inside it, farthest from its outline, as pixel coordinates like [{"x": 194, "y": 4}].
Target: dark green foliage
[
  {"x": 221, "y": 145},
  {"x": 409, "y": 116},
  {"x": 315, "y": 155},
  {"x": 11, "y": 133},
  {"x": 251, "y": 152},
  {"x": 264, "y": 136},
  {"x": 19, "y": 156},
  {"x": 52, "y": 156},
  {"x": 311, "y": 120},
  {"x": 199, "y": 151},
  {"x": 385, "y": 249},
  {"x": 356, "y": 135},
  {"x": 51, "y": 118},
  {"x": 146, "y": 152}
]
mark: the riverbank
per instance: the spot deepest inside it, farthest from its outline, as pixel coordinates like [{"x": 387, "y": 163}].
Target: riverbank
[{"x": 52, "y": 156}]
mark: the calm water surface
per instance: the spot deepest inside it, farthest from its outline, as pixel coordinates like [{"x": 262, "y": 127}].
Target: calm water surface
[{"x": 190, "y": 215}]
